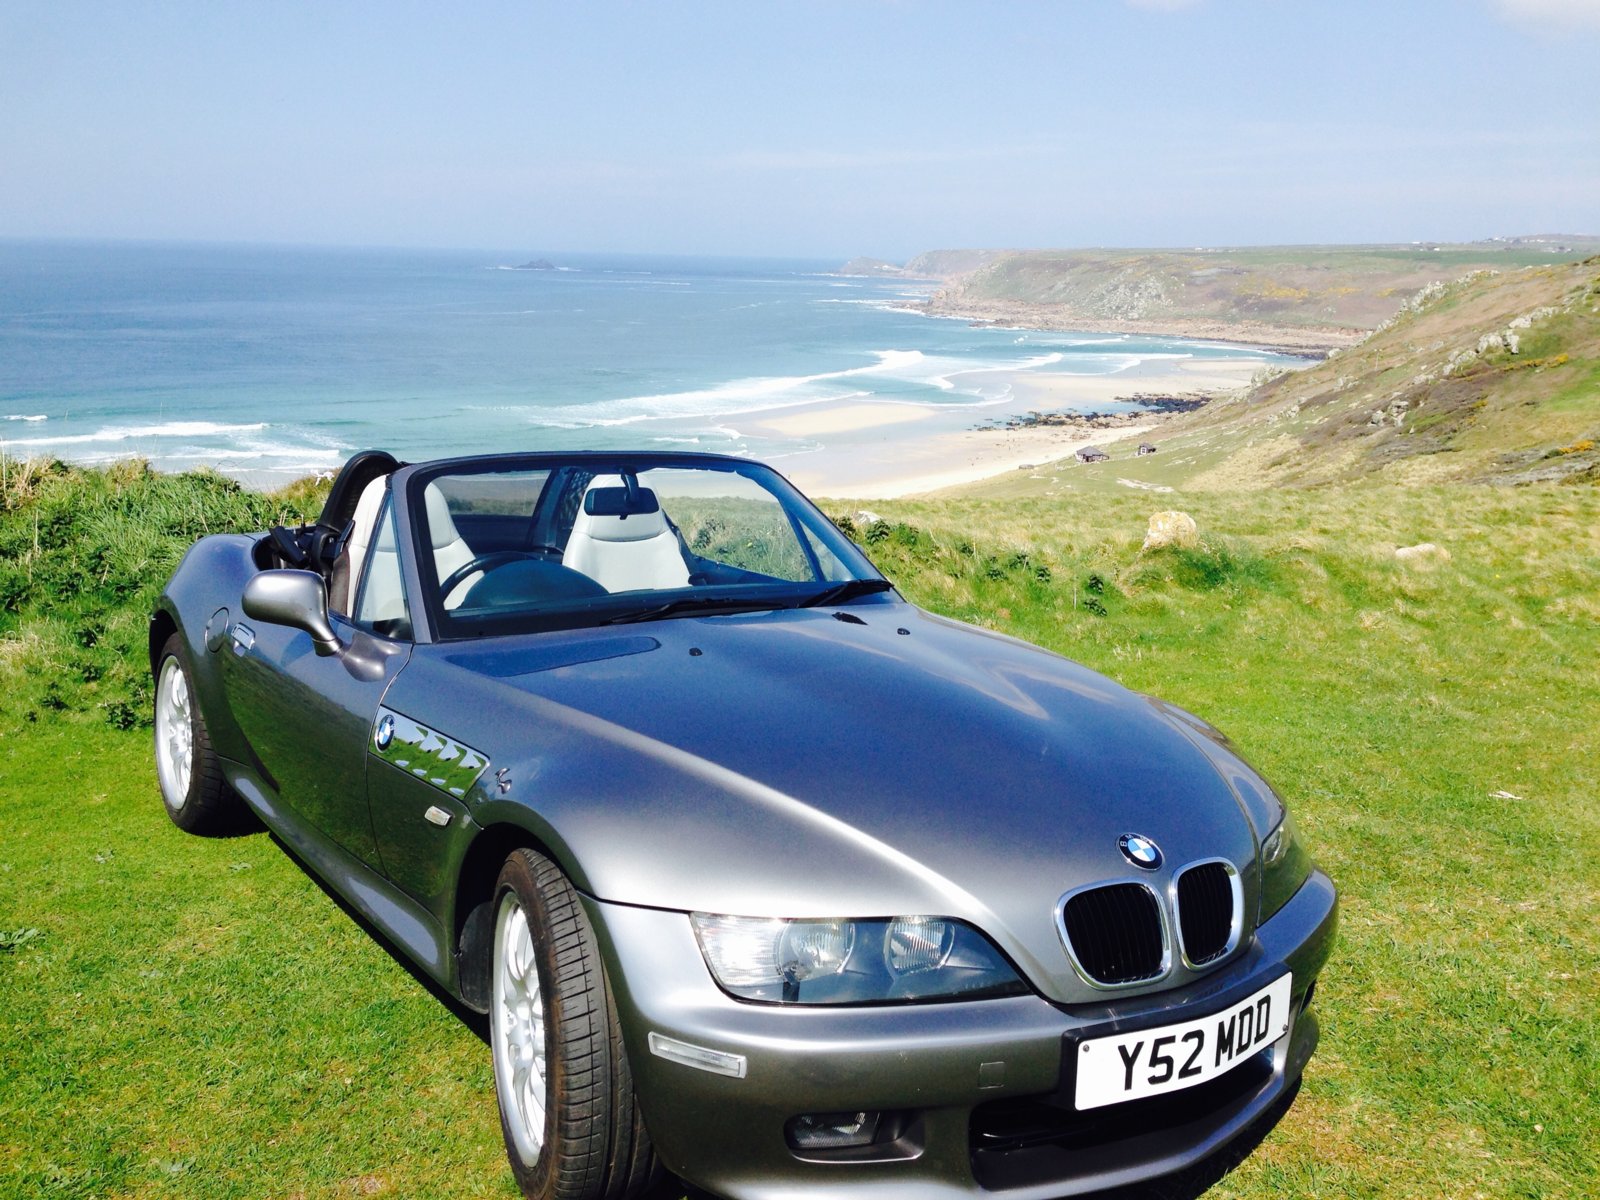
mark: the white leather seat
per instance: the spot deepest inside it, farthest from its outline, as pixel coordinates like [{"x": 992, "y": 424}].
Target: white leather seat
[
  {"x": 362, "y": 526},
  {"x": 380, "y": 568},
  {"x": 450, "y": 549},
  {"x": 626, "y": 553}
]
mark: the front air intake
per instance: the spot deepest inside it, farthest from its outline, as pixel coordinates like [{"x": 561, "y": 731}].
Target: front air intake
[{"x": 1115, "y": 933}]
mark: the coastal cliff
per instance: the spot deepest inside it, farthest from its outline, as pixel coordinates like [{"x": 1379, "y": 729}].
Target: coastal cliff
[
  {"x": 1303, "y": 299},
  {"x": 1492, "y": 378}
]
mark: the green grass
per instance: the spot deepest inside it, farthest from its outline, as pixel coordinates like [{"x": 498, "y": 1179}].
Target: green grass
[
  {"x": 753, "y": 535},
  {"x": 197, "y": 1019}
]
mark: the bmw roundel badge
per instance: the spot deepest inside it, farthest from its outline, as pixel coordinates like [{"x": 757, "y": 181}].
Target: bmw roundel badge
[
  {"x": 384, "y": 734},
  {"x": 1140, "y": 850}
]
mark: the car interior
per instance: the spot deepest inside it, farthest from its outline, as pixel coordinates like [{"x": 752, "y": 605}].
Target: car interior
[{"x": 503, "y": 541}]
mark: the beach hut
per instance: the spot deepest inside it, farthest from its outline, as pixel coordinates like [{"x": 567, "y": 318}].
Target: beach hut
[
  {"x": 1146, "y": 448},
  {"x": 1091, "y": 454}
]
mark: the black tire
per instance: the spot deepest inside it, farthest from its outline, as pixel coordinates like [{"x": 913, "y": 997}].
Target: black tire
[
  {"x": 594, "y": 1145},
  {"x": 196, "y": 796}
]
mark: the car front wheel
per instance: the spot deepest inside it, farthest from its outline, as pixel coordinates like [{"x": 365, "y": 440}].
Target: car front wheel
[
  {"x": 197, "y": 797},
  {"x": 572, "y": 1127}
]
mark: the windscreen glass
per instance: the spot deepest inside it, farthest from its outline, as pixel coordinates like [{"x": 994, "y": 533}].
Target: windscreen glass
[{"x": 597, "y": 542}]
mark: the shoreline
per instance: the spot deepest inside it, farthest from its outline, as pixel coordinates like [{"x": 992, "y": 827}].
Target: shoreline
[
  {"x": 881, "y": 451},
  {"x": 976, "y": 455},
  {"x": 875, "y": 449},
  {"x": 1314, "y": 344}
]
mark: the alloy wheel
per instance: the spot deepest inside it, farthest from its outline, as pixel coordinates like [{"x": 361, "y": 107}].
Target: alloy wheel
[
  {"x": 174, "y": 733},
  {"x": 518, "y": 1027}
]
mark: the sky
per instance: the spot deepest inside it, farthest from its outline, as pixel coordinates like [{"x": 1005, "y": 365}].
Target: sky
[{"x": 824, "y": 128}]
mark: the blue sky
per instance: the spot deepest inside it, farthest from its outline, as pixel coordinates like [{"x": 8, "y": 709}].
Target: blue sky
[{"x": 827, "y": 128}]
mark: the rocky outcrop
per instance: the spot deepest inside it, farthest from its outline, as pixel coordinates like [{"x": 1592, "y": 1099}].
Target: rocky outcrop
[
  {"x": 935, "y": 264},
  {"x": 872, "y": 266},
  {"x": 948, "y": 264}
]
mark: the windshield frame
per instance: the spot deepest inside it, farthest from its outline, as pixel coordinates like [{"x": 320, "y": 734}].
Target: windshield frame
[{"x": 436, "y": 624}]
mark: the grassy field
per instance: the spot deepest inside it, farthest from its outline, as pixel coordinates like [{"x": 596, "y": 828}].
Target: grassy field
[{"x": 198, "y": 1019}]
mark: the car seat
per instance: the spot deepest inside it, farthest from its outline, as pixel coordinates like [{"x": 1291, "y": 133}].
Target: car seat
[
  {"x": 629, "y": 552},
  {"x": 450, "y": 549}
]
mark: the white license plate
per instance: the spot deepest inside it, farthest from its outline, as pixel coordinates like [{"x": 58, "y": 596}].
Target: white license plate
[{"x": 1168, "y": 1058}]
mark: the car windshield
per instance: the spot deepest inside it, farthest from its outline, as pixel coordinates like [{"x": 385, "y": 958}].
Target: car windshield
[{"x": 545, "y": 544}]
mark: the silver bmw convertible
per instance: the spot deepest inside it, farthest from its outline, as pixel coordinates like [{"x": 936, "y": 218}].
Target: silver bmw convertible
[{"x": 766, "y": 879}]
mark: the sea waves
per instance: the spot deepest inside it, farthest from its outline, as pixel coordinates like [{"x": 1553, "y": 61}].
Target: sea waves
[
  {"x": 127, "y": 433},
  {"x": 910, "y": 377},
  {"x": 243, "y": 445}
]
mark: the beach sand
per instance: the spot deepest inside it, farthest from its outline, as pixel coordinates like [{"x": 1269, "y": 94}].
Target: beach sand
[{"x": 877, "y": 450}]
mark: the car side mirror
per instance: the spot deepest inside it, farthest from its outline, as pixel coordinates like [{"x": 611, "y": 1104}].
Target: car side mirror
[{"x": 297, "y": 599}]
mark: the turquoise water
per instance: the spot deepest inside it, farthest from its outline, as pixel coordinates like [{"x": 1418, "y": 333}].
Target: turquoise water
[{"x": 267, "y": 362}]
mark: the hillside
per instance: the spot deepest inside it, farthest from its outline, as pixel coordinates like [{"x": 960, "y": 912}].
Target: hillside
[
  {"x": 1308, "y": 298},
  {"x": 934, "y": 264},
  {"x": 1494, "y": 378}
]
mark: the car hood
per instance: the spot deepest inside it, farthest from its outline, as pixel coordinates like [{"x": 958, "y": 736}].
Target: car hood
[{"x": 866, "y": 762}]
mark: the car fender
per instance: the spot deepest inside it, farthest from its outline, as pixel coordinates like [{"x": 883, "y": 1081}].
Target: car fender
[{"x": 201, "y": 603}]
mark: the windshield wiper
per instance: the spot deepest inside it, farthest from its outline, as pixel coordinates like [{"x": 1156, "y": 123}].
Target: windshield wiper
[
  {"x": 850, "y": 589},
  {"x": 696, "y": 604}
]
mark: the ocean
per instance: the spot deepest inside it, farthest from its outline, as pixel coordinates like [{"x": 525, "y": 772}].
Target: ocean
[{"x": 271, "y": 363}]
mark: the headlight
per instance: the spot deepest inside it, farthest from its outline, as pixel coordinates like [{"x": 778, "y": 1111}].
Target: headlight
[
  {"x": 852, "y": 962},
  {"x": 1284, "y": 866}
]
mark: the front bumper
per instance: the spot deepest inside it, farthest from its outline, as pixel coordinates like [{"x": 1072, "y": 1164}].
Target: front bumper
[{"x": 978, "y": 1085}]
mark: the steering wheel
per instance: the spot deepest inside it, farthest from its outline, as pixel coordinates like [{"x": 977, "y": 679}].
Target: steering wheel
[{"x": 480, "y": 562}]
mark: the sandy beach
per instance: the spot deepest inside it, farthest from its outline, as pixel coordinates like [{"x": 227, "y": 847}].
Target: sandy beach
[{"x": 875, "y": 450}]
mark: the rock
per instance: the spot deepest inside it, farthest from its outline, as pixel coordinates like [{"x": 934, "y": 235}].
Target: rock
[
  {"x": 1422, "y": 552},
  {"x": 1171, "y": 529},
  {"x": 1526, "y": 320},
  {"x": 864, "y": 518}
]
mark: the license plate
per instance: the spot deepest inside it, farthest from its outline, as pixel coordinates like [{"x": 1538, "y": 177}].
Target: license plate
[{"x": 1169, "y": 1058}]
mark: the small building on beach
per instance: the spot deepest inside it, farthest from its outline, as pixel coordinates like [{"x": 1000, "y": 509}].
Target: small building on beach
[
  {"x": 1147, "y": 448},
  {"x": 1091, "y": 454}
]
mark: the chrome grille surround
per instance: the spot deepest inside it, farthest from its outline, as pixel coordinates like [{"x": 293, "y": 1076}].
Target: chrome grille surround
[
  {"x": 1162, "y": 931},
  {"x": 1235, "y": 924}
]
